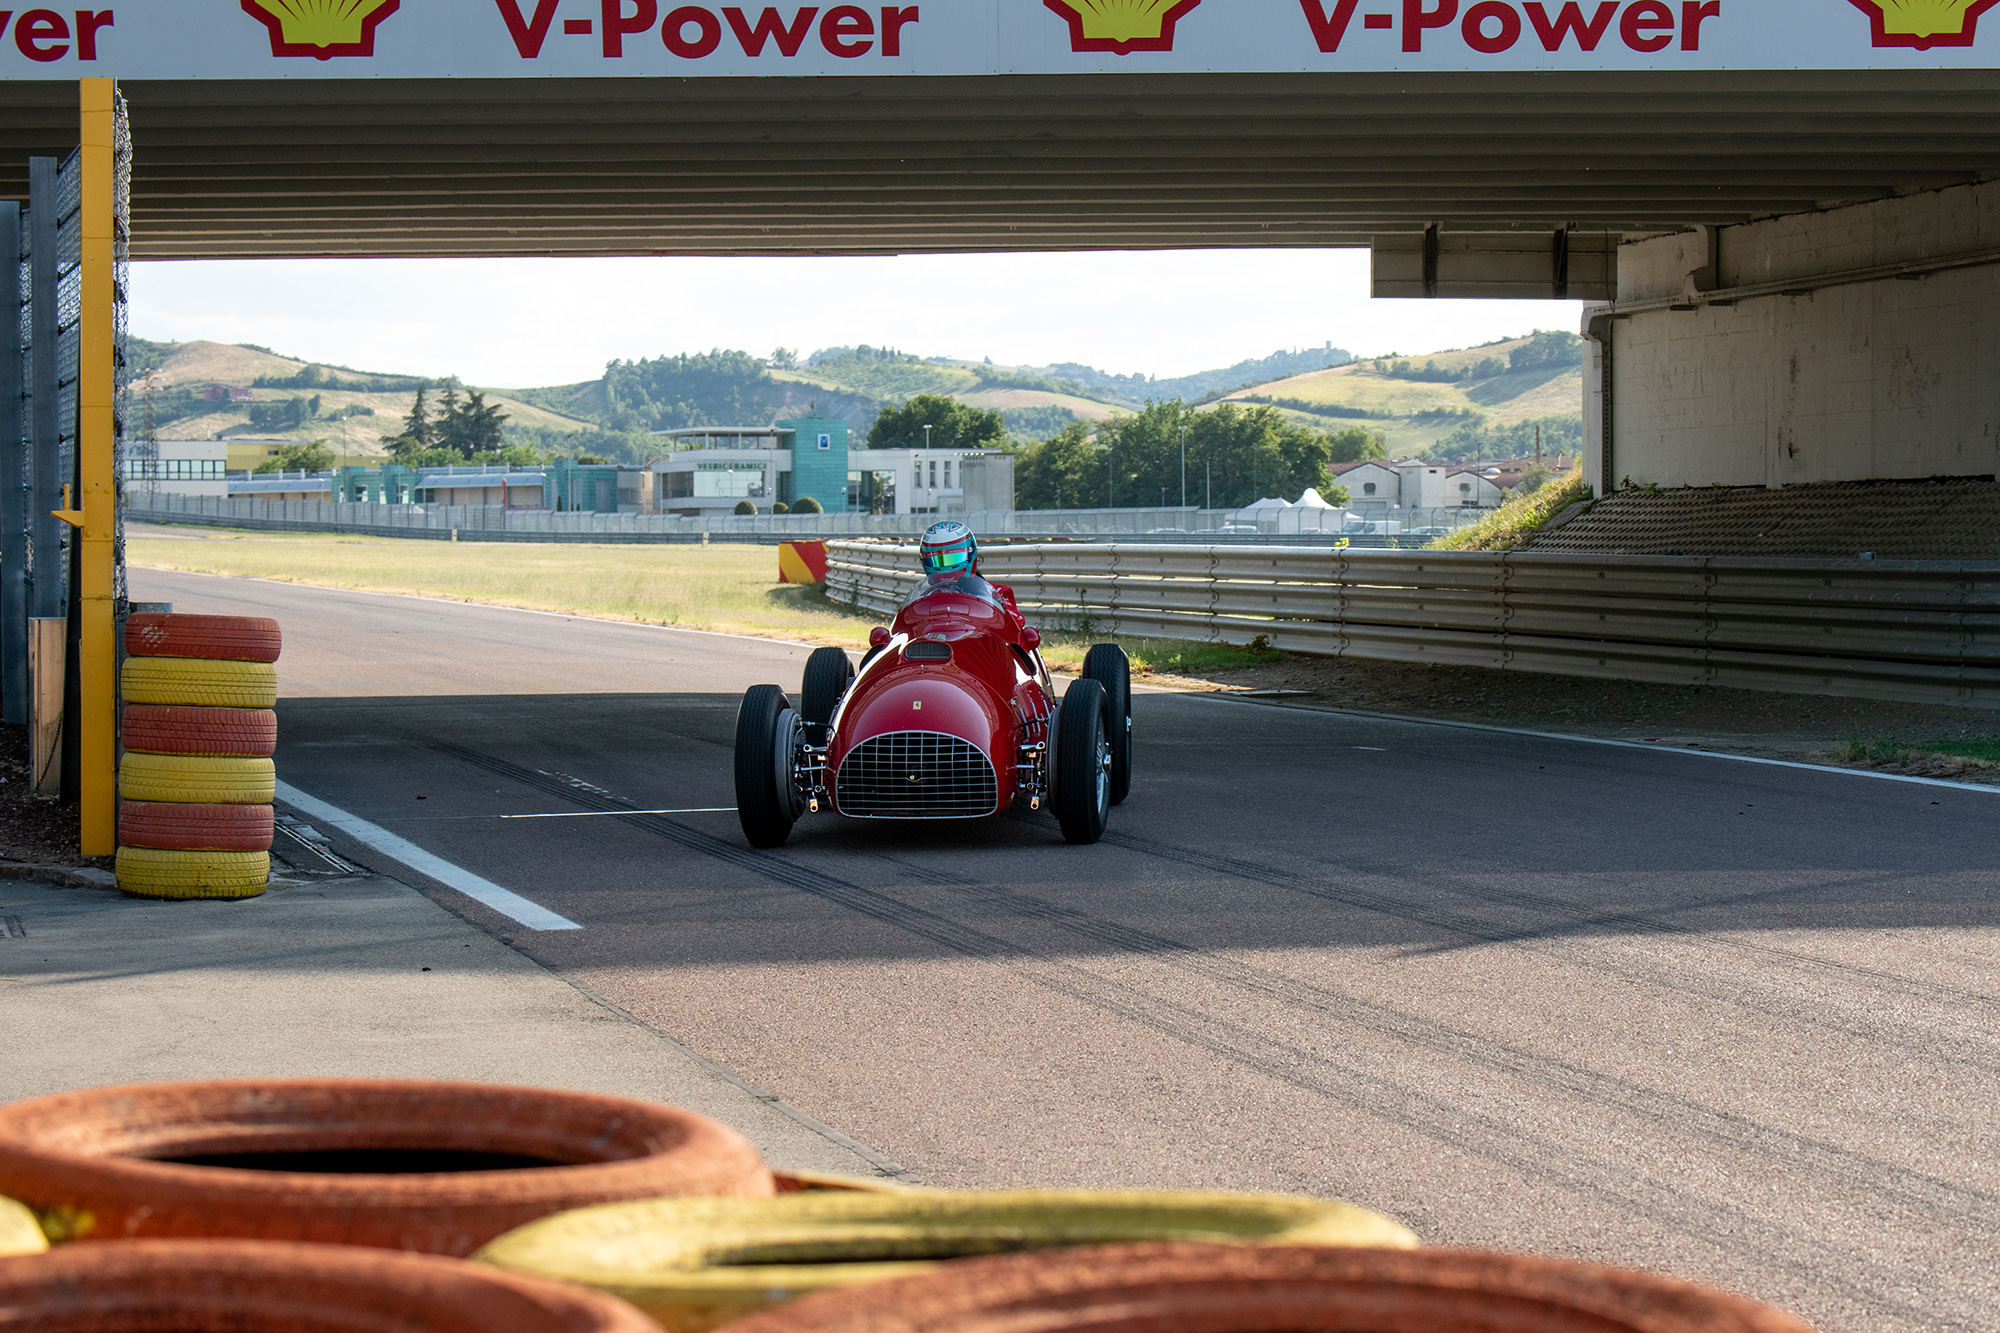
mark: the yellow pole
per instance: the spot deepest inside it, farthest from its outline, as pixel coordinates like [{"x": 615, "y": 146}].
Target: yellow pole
[{"x": 98, "y": 727}]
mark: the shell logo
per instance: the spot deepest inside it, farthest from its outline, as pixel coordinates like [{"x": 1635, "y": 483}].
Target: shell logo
[
  {"x": 1923, "y": 23},
  {"x": 321, "y": 29},
  {"x": 1124, "y": 26}
]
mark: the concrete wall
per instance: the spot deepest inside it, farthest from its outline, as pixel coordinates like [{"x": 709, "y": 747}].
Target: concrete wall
[{"x": 1891, "y": 377}]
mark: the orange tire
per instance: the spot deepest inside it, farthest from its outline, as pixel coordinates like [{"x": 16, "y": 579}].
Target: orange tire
[
  {"x": 188, "y": 729},
  {"x": 290, "y": 1288},
  {"x": 174, "y": 826},
  {"x": 224, "y": 638},
  {"x": 403, "y": 1164}
]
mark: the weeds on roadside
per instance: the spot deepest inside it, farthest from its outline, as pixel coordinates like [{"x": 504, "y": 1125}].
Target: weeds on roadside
[{"x": 1513, "y": 523}]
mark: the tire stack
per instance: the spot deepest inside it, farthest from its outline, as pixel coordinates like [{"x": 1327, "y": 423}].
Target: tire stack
[{"x": 196, "y": 780}]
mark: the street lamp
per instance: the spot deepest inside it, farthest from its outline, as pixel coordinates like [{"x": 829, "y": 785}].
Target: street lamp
[
  {"x": 1183, "y": 467},
  {"x": 927, "y": 435}
]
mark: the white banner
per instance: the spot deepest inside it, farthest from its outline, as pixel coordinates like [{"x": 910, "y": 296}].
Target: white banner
[{"x": 262, "y": 39}]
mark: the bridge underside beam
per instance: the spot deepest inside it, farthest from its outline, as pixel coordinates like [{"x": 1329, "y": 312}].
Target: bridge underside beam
[{"x": 790, "y": 166}]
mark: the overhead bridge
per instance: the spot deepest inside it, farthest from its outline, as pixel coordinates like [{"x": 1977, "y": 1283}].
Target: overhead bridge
[{"x": 313, "y": 167}]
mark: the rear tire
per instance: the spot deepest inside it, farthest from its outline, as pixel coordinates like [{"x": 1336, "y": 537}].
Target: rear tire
[
  {"x": 1083, "y": 763},
  {"x": 1107, "y": 664},
  {"x": 827, "y": 675},
  {"x": 768, "y": 803}
]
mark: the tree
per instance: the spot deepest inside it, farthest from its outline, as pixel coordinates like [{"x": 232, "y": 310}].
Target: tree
[
  {"x": 1063, "y": 471},
  {"x": 805, "y": 504},
  {"x": 1241, "y": 454},
  {"x": 785, "y": 358},
  {"x": 1356, "y": 444},
  {"x": 311, "y": 456},
  {"x": 417, "y": 426},
  {"x": 780, "y": 507},
  {"x": 474, "y": 426},
  {"x": 745, "y": 507},
  {"x": 953, "y": 425}
]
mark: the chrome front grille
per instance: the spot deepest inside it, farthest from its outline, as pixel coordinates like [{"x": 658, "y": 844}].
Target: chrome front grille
[{"x": 915, "y": 775}]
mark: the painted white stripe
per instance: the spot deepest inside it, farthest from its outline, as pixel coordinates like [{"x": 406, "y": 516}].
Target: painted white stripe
[
  {"x": 603, "y": 814},
  {"x": 504, "y": 901},
  {"x": 1236, "y": 696}
]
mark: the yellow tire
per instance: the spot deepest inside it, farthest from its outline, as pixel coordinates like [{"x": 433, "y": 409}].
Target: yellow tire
[
  {"x": 197, "y": 779},
  {"x": 696, "y": 1263},
  {"x": 152, "y": 872},
  {"x": 19, "y": 1232},
  {"x": 199, "y": 680}
]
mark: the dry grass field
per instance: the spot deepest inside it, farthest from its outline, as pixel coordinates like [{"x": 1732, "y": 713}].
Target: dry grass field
[{"x": 730, "y": 588}]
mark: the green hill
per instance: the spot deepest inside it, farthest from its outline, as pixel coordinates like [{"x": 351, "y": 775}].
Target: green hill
[
  {"x": 1467, "y": 402},
  {"x": 1456, "y": 403}
]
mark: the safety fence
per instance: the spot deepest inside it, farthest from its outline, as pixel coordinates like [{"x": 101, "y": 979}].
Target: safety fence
[
  {"x": 1914, "y": 631},
  {"x": 495, "y": 523}
]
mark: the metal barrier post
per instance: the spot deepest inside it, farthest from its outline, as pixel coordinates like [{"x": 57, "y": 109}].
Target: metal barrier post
[
  {"x": 13, "y": 477},
  {"x": 96, "y": 469}
]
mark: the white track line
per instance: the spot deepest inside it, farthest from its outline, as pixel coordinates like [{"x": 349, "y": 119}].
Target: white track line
[
  {"x": 504, "y": 901},
  {"x": 1230, "y": 696}
]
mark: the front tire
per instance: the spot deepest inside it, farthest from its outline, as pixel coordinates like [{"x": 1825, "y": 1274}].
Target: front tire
[
  {"x": 768, "y": 802},
  {"x": 827, "y": 675},
  {"x": 1107, "y": 664},
  {"x": 1083, "y": 763}
]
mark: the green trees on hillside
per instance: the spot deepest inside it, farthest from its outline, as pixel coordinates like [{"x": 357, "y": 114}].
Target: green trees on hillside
[
  {"x": 1243, "y": 454},
  {"x": 311, "y": 456},
  {"x": 952, "y": 424},
  {"x": 462, "y": 430},
  {"x": 706, "y": 389}
]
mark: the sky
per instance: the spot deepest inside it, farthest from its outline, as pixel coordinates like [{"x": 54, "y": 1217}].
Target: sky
[{"x": 521, "y": 322}]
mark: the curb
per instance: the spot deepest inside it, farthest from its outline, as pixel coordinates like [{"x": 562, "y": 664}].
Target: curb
[{"x": 69, "y": 877}]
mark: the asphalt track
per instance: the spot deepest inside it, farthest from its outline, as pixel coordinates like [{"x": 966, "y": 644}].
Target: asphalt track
[{"x": 1732, "y": 1021}]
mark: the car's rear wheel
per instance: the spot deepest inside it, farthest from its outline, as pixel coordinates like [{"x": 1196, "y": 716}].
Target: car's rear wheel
[
  {"x": 768, "y": 802},
  {"x": 1107, "y": 664},
  {"x": 827, "y": 674},
  {"x": 1083, "y": 763}
]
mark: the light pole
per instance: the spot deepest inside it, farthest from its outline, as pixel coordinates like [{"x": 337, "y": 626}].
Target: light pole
[
  {"x": 1107, "y": 481},
  {"x": 927, "y": 435},
  {"x": 1208, "y": 479},
  {"x": 1183, "y": 466}
]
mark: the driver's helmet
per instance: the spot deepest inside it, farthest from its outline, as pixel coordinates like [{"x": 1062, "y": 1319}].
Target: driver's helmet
[{"x": 949, "y": 551}]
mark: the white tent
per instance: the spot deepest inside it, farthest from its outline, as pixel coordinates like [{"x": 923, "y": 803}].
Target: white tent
[
  {"x": 1265, "y": 509},
  {"x": 1311, "y": 514}
]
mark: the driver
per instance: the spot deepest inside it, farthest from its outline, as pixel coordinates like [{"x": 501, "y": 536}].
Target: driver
[{"x": 950, "y": 555}]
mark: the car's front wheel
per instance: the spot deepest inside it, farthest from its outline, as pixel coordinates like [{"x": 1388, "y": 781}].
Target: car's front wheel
[
  {"x": 768, "y": 801},
  {"x": 1083, "y": 763}
]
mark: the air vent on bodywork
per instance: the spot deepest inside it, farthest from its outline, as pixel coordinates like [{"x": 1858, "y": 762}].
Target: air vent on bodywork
[
  {"x": 915, "y": 775},
  {"x": 927, "y": 650}
]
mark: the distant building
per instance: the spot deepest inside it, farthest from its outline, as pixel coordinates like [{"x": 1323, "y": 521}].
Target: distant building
[
  {"x": 225, "y": 393},
  {"x": 176, "y": 467},
  {"x": 714, "y": 468}
]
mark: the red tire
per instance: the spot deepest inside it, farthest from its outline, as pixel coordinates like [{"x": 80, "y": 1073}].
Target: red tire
[
  {"x": 292, "y": 1288},
  {"x": 221, "y": 638},
  {"x": 1182, "y": 1287},
  {"x": 403, "y": 1164},
  {"x": 172, "y": 826},
  {"x": 187, "y": 729}
]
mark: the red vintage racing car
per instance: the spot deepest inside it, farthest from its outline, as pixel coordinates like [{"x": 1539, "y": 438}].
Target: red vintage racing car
[{"x": 951, "y": 716}]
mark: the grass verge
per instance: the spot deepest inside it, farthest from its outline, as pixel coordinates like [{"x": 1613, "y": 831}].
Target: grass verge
[
  {"x": 1973, "y": 758},
  {"x": 1513, "y": 523},
  {"x": 730, "y": 588}
]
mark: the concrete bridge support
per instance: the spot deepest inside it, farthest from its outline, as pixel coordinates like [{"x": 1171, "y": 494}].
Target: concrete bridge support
[{"x": 1847, "y": 344}]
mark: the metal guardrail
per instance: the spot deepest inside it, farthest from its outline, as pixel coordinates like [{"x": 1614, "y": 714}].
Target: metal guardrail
[
  {"x": 1912, "y": 631},
  {"x": 493, "y": 523}
]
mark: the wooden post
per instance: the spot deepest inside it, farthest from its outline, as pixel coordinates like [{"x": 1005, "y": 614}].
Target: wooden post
[
  {"x": 98, "y": 658},
  {"x": 46, "y": 652}
]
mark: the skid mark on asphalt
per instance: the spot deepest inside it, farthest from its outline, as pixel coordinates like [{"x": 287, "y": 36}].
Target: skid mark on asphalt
[
  {"x": 1877, "y": 1026},
  {"x": 1616, "y": 1182}
]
